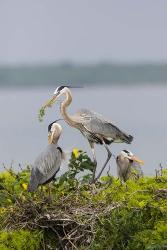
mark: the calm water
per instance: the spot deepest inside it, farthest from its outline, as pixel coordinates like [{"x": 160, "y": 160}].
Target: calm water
[{"x": 141, "y": 111}]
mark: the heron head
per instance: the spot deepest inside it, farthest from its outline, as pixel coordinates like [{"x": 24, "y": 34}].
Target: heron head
[
  {"x": 54, "y": 132},
  {"x": 130, "y": 156},
  {"x": 56, "y": 94},
  {"x": 63, "y": 89}
]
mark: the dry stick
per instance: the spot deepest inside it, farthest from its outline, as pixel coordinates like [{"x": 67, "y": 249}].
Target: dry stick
[
  {"x": 60, "y": 241},
  {"x": 43, "y": 243},
  {"x": 80, "y": 232},
  {"x": 161, "y": 169},
  {"x": 144, "y": 190},
  {"x": 8, "y": 170},
  {"x": 20, "y": 167},
  {"x": 68, "y": 238},
  {"x": 73, "y": 244},
  {"x": 162, "y": 192},
  {"x": 73, "y": 231},
  {"x": 156, "y": 173}
]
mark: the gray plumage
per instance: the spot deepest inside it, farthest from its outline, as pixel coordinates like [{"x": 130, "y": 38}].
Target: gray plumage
[
  {"x": 128, "y": 166},
  {"x": 92, "y": 125},
  {"x": 45, "y": 167},
  {"x": 96, "y": 129},
  {"x": 47, "y": 163},
  {"x": 123, "y": 168}
]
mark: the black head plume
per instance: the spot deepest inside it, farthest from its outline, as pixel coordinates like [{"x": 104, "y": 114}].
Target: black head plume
[
  {"x": 50, "y": 125},
  {"x": 126, "y": 151},
  {"x": 62, "y": 87},
  {"x": 67, "y": 86}
]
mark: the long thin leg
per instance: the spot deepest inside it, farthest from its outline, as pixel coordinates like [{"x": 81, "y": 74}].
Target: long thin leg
[
  {"x": 41, "y": 192},
  {"x": 49, "y": 191},
  {"x": 108, "y": 158},
  {"x": 94, "y": 159}
]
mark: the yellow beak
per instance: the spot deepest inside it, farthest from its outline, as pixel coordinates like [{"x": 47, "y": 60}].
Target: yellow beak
[
  {"x": 136, "y": 159},
  {"x": 50, "y": 102},
  {"x": 50, "y": 137}
]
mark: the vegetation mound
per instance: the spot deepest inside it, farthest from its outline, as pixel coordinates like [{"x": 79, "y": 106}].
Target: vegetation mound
[{"x": 105, "y": 215}]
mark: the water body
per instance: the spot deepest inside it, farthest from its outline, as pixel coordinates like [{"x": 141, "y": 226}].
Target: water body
[{"x": 141, "y": 111}]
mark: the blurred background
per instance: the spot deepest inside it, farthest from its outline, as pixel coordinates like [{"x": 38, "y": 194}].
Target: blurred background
[{"x": 116, "y": 49}]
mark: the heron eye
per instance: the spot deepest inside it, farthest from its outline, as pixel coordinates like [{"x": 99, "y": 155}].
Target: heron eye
[
  {"x": 126, "y": 151},
  {"x": 60, "y": 88}
]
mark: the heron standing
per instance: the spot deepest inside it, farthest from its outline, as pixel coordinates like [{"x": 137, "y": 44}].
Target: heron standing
[
  {"x": 49, "y": 161},
  {"x": 92, "y": 125},
  {"x": 126, "y": 164}
]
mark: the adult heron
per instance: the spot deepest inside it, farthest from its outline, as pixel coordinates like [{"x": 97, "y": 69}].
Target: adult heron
[
  {"x": 49, "y": 161},
  {"x": 126, "y": 163},
  {"x": 92, "y": 125}
]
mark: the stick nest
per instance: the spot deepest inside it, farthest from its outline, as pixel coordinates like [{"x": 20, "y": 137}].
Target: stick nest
[{"x": 70, "y": 224}]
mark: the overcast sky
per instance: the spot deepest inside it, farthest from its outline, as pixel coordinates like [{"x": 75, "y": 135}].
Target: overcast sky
[{"x": 33, "y": 31}]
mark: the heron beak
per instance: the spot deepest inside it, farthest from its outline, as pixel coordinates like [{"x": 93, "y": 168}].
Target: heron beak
[
  {"x": 136, "y": 159},
  {"x": 51, "y": 101},
  {"x": 74, "y": 87},
  {"x": 50, "y": 137}
]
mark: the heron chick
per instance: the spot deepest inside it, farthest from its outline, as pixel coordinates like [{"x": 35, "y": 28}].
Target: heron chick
[
  {"x": 126, "y": 164},
  {"x": 49, "y": 161}
]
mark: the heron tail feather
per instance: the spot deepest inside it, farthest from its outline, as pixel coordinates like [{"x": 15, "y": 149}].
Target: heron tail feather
[{"x": 128, "y": 138}]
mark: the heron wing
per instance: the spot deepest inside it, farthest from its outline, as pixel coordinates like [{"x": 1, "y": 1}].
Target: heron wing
[
  {"x": 83, "y": 116},
  {"x": 47, "y": 164},
  {"x": 96, "y": 124}
]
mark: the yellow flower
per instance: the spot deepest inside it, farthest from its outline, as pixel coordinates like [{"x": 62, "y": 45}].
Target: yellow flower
[
  {"x": 2, "y": 210},
  {"x": 24, "y": 186},
  {"x": 76, "y": 152}
]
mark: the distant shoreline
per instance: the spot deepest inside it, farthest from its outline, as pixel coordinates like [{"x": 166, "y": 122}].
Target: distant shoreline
[{"x": 102, "y": 73}]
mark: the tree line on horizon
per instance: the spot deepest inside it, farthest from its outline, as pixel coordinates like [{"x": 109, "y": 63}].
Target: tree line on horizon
[{"x": 102, "y": 73}]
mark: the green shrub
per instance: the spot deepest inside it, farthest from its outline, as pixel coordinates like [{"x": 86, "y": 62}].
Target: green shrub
[
  {"x": 106, "y": 215},
  {"x": 20, "y": 240}
]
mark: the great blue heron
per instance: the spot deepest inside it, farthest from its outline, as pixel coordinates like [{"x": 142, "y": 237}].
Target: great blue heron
[
  {"x": 92, "y": 125},
  {"x": 48, "y": 162},
  {"x": 126, "y": 163}
]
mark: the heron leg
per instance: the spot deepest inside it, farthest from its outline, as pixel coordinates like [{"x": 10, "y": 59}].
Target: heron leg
[
  {"x": 49, "y": 191},
  {"x": 94, "y": 159},
  {"x": 108, "y": 158},
  {"x": 41, "y": 192}
]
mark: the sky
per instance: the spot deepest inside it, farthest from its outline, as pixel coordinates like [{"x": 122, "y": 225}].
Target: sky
[{"x": 82, "y": 31}]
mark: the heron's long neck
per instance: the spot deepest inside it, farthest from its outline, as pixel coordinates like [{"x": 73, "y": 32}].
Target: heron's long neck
[
  {"x": 55, "y": 140},
  {"x": 63, "y": 109}
]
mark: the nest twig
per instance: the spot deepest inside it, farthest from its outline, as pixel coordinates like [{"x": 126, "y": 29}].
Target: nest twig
[{"x": 72, "y": 226}]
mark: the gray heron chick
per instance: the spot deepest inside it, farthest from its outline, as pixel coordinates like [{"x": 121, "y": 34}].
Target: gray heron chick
[
  {"x": 126, "y": 163},
  {"x": 49, "y": 161},
  {"x": 92, "y": 125}
]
